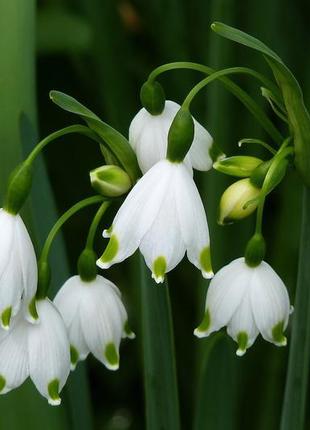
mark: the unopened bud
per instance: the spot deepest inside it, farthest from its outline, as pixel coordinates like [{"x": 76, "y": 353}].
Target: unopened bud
[
  {"x": 110, "y": 181},
  {"x": 238, "y": 201},
  {"x": 241, "y": 165},
  {"x": 180, "y": 136},
  {"x": 152, "y": 97}
]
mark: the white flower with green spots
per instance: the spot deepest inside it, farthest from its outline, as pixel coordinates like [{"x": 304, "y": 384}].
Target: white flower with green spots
[
  {"x": 18, "y": 268},
  {"x": 163, "y": 215},
  {"x": 248, "y": 300},
  {"x": 148, "y": 136},
  {"x": 95, "y": 317},
  {"x": 40, "y": 351}
]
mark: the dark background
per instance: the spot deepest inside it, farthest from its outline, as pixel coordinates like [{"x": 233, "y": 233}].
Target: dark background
[{"x": 100, "y": 52}]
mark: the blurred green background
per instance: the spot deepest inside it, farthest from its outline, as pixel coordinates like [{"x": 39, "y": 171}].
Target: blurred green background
[{"x": 100, "y": 52}]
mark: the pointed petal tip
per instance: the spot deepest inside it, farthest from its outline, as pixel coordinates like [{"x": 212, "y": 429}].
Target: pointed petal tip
[
  {"x": 54, "y": 402},
  {"x": 112, "y": 367},
  {"x": 6, "y": 316},
  {"x": 207, "y": 275},
  {"x": 283, "y": 342},
  {"x": 73, "y": 366},
  {"x": 111, "y": 357},
  {"x": 102, "y": 264},
  {"x": 240, "y": 352},
  {"x": 200, "y": 334},
  {"x": 106, "y": 233},
  {"x": 158, "y": 279}
]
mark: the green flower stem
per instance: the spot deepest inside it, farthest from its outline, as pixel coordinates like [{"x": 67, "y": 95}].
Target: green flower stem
[
  {"x": 259, "y": 216},
  {"x": 160, "y": 382},
  {"x": 238, "y": 92},
  {"x": 94, "y": 225},
  {"x": 208, "y": 70},
  {"x": 77, "y": 128},
  {"x": 43, "y": 261},
  {"x": 294, "y": 406}
]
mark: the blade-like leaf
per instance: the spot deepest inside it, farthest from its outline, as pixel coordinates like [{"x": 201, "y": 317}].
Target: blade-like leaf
[
  {"x": 160, "y": 383},
  {"x": 299, "y": 119},
  {"x": 115, "y": 141}
]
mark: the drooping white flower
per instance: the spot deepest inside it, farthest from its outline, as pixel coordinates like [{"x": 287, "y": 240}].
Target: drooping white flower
[
  {"x": 40, "y": 351},
  {"x": 18, "y": 268},
  {"x": 148, "y": 136},
  {"x": 248, "y": 300},
  {"x": 95, "y": 317},
  {"x": 48, "y": 352},
  {"x": 164, "y": 216}
]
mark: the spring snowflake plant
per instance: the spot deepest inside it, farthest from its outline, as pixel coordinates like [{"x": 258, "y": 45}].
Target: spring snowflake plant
[{"x": 160, "y": 212}]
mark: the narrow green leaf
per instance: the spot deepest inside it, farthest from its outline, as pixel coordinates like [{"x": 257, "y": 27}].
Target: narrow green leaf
[
  {"x": 160, "y": 382},
  {"x": 116, "y": 142},
  {"x": 298, "y": 116},
  {"x": 24, "y": 407},
  {"x": 243, "y": 38},
  {"x": 294, "y": 406}
]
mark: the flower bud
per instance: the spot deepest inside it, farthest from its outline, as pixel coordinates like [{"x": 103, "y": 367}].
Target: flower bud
[
  {"x": 110, "y": 181},
  {"x": 233, "y": 204},
  {"x": 180, "y": 136},
  {"x": 241, "y": 166},
  {"x": 255, "y": 250},
  {"x": 19, "y": 187},
  {"x": 152, "y": 97}
]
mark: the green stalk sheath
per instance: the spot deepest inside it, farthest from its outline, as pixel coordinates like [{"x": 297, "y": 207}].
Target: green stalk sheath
[
  {"x": 160, "y": 382},
  {"x": 294, "y": 406}
]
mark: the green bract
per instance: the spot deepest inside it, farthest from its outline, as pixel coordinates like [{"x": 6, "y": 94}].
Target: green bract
[{"x": 114, "y": 140}]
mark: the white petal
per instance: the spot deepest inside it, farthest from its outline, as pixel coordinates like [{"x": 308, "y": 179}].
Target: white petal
[
  {"x": 49, "y": 352},
  {"x": 14, "y": 367},
  {"x": 198, "y": 155},
  {"x": 270, "y": 302},
  {"x": 7, "y": 229},
  {"x": 103, "y": 317},
  {"x": 193, "y": 221},
  {"x": 242, "y": 327},
  {"x": 137, "y": 214},
  {"x": 224, "y": 295},
  {"x": 148, "y": 136},
  {"x": 163, "y": 241},
  {"x": 68, "y": 301}
]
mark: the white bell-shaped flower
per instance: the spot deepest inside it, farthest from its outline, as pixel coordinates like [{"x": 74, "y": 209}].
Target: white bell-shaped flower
[
  {"x": 163, "y": 215},
  {"x": 18, "y": 268},
  {"x": 48, "y": 352},
  {"x": 148, "y": 136},
  {"x": 248, "y": 300},
  {"x": 95, "y": 317},
  {"x": 40, "y": 351}
]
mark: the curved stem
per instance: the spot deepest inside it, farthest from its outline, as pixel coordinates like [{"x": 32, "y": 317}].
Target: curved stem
[
  {"x": 259, "y": 216},
  {"x": 259, "y": 142},
  {"x": 68, "y": 214},
  {"x": 238, "y": 92},
  {"x": 94, "y": 225},
  {"x": 77, "y": 128},
  {"x": 208, "y": 70}
]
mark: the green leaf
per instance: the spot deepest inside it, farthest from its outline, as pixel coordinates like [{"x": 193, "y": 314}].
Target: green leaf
[
  {"x": 298, "y": 116},
  {"x": 294, "y": 406},
  {"x": 160, "y": 383},
  {"x": 24, "y": 407},
  {"x": 115, "y": 141}
]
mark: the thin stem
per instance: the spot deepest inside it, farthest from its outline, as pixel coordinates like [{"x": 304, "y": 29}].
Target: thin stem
[
  {"x": 259, "y": 142},
  {"x": 208, "y": 70},
  {"x": 259, "y": 216},
  {"x": 238, "y": 92},
  {"x": 94, "y": 225},
  {"x": 77, "y": 128},
  {"x": 68, "y": 214}
]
